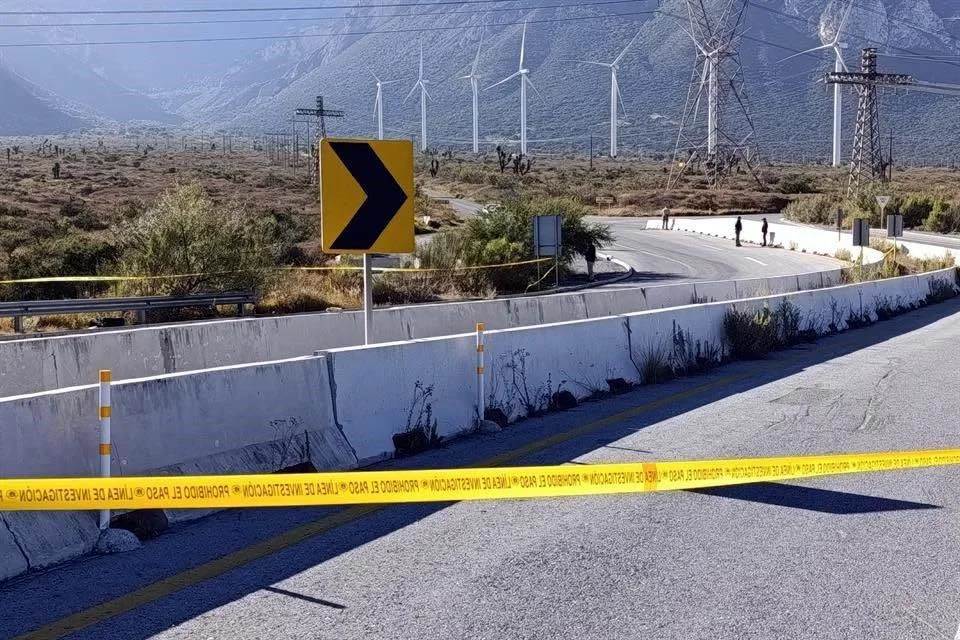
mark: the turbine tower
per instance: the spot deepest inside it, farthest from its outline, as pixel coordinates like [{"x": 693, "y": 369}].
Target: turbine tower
[
  {"x": 524, "y": 74},
  {"x": 378, "y": 105},
  {"x": 615, "y": 96},
  {"x": 718, "y": 146},
  {"x": 833, "y": 43},
  {"x": 423, "y": 102},
  {"x": 475, "y": 88}
]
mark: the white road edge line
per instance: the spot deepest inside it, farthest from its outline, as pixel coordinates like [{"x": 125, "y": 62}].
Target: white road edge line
[{"x": 755, "y": 260}]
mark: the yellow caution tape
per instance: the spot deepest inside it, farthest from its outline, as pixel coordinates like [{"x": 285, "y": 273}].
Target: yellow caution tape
[
  {"x": 382, "y": 487},
  {"x": 178, "y": 276}
]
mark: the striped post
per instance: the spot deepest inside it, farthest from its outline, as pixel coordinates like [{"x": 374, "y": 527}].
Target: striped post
[
  {"x": 481, "y": 402},
  {"x": 105, "y": 378}
]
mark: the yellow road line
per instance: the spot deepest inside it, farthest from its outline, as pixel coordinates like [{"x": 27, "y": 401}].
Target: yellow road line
[{"x": 212, "y": 569}]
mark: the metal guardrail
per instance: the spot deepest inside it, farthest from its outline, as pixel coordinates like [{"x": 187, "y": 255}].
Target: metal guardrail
[{"x": 20, "y": 309}]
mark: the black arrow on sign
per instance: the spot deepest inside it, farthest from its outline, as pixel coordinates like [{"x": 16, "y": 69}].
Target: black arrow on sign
[{"x": 384, "y": 196}]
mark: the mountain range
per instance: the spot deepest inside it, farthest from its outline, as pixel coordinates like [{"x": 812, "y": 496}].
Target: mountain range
[{"x": 254, "y": 84}]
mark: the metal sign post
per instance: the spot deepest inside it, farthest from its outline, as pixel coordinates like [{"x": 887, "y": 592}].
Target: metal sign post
[
  {"x": 366, "y": 204},
  {"x": 861, "y": 237},
  {"x": 547, "y": 241}
]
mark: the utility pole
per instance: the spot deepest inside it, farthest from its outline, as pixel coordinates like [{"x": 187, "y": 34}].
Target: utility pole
[
  {"x": 591, "y": 153},
  {"x": 321, "y": 114}
]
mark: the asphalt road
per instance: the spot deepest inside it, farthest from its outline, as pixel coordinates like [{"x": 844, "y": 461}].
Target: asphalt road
[
  {"x": 661, "y": 257},
  {"x": 871, "y": 556},
  {"x": 676, "y": 256}
]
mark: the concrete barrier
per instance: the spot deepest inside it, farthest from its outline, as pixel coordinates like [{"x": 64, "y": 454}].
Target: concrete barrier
[
  {"x": 37, "y": 364},
  {"x": 343, "y": 408},
  {"x": 249, "y": 418}
]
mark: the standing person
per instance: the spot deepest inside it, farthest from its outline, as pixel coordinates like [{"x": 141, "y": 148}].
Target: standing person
[
  {"x": 590, "y": 255},
  {"x": 665, "y": 218},
  {"x": 764, "y": 228},
  {"x": 738, "y": 228}
]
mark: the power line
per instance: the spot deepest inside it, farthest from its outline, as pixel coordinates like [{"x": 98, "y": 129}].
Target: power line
[
  {"x": 104, "y": 12},
  {"x": 152, "y": 23},
  {"x": 298, "y": 36}
]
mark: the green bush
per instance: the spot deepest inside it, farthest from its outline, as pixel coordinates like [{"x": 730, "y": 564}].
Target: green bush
[
  {"x": 217, "y": 247},
  {"x": 796, "y": 183},
  {"x": 944, "y": 218},
  {"x": 750, "y": 335},
  {"x": 916, "y": 208},
  {"x": 74, "y": 255},
  {"x": 506, "y": 235},
  {"x": 818, "y": 209}
]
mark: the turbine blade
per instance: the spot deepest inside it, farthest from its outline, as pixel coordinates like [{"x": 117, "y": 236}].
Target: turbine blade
[
  {"x": 374, "y": 76},
  {"x": 531, "y": 85},
  {"x": 837, "y": 52},
  {"x": 425, "y": 92},
  {"x": 420, "y": 76},
  {"x": 476, "y": 60},
  {"x": 843, "y": 21},
  {"x": 523, "y": 42},
  {"x": 694, "y": 40},
  {"x": 625, "y": 49},
  {"x": 509, "y": 77},
  {"x": 803, "y": 53},
  {"x": 620, "y": 98},
  {"x": 593, "y": 62},
  {"x": 376, "y": 103},
  {"x": 411, "y": 92}
]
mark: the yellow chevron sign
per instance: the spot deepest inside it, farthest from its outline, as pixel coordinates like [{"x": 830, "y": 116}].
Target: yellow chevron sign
[{"x": 366, "y": 196}]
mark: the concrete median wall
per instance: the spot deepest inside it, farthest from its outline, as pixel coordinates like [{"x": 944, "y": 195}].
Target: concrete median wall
[
  {"x": 37, "y": 364},
  {"x": 250, "y": 418},
  {"x": 342, "y": 409}
]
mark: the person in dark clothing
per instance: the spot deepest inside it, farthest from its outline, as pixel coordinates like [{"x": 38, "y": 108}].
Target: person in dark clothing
[
  {"x": 590, "y": 255},
  {"x": 738, "y": 228},
  {"x": 763, "y": 229}
]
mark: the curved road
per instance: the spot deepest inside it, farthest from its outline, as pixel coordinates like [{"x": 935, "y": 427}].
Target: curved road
[{"x": 662, "y": 257}]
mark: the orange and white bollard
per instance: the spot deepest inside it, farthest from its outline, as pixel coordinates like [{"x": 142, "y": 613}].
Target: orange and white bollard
[
  {"x": 481, "y": 400},
  {"x": 105, "y": 448}
]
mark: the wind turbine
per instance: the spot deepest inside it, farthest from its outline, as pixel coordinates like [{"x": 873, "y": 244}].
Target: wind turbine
[
  {"x": 423, "y": 102},
  {"x": 615, "y": 95},
  {"x": 475, "y": 86},
  {"x": 709, "y": 78},
  {"x": 523, "y": 73},
  {"x": 378, "y": 105},
  {"x": 838, "y": 66}
]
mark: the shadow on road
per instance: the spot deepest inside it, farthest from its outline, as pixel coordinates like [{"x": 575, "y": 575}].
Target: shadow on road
[
  {"x": 811, "y": 499},
  {"x": 41, "y": 598}
]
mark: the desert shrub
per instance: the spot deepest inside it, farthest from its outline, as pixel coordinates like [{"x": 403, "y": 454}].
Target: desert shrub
[
  {"x": 655, "y": 366},
  {"x": 796, "y": 183},
  {"x": 73, "y": 207},
  {"x": 471, "y": 175},
  {"x": 916, "y": 208},
  {"x": 404, "y": 288},
  {"x": 786, "y": 321},
  {"x": 216, "y": 247},
  {"x": 943, "y": 218},
  {"x": 89, "y": 220},
  {"x": 818, "y": 209},
  {"x": 74, "y": 255},
  {"x": 130, "y": 208},
  {"x": 750, "y": 335},
  {"x": 940, "y": 291},
  {"x": 504, "y": 235}
]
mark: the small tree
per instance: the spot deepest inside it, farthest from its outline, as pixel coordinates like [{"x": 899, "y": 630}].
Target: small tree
[
  {"x": 214, "y": 247},
  {"x": 56, "y": 170}
]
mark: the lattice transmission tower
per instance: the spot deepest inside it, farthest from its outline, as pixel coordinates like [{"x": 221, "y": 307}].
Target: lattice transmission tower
[
  {"x": 716, "y": 128},
  {"x": 867, "y": 162},
  {"x": 321, "y": 114}
]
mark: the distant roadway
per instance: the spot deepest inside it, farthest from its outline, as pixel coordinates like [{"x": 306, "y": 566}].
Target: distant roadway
[
  {"x": 662, "y": 257},
  {"x": 871, "y": 556}
]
